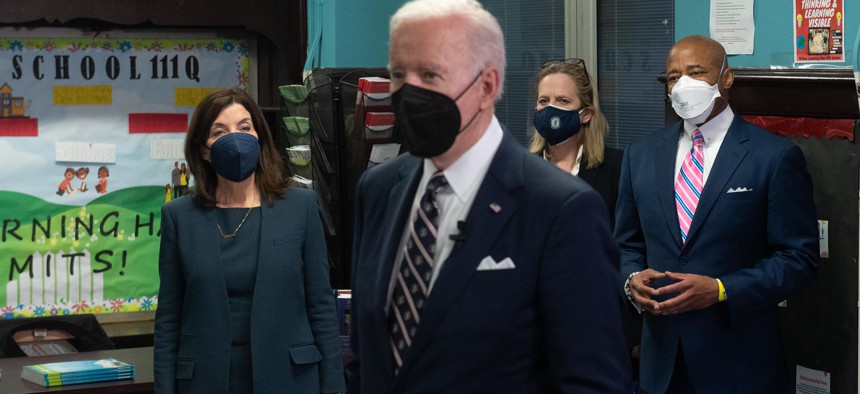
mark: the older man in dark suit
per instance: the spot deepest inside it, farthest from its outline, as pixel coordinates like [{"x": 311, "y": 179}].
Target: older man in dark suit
[{"x": 477, "y": 267}]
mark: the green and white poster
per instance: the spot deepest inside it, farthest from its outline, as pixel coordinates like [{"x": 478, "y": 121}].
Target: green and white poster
[{"x": 90, "y": 132}]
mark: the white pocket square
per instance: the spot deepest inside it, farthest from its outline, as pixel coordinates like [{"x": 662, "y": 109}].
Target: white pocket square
[
  {"x": 739, "y": 190},
  {"x": 488, "y": 264}
]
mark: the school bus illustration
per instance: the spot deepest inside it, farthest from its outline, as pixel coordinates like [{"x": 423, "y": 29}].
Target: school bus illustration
[{"x": 11, "y": 107}]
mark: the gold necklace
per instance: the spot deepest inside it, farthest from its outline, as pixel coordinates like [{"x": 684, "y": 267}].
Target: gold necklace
[{"x": 233, "y": 234}]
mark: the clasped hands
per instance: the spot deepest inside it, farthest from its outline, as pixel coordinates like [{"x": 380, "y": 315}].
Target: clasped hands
[{"x": 689, "y": 292}]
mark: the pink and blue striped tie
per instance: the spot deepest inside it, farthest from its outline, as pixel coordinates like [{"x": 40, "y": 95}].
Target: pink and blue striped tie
[{"x": 688, "y": 186}]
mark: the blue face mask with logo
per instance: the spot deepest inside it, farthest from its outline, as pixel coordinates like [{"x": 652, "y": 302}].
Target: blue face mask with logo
[
  {"x": 557, "y": 125},
  {"x": 235, "y": 156}
]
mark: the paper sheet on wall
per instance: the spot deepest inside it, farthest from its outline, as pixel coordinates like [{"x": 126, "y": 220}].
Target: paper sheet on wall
[
  {"x": 382, "y": 153},
  {"x": 733, "y": 26},
  {"x": 856, "y": 63},
  {"x": 819, "y": 31},
  {"x": 811, "y": 381},
  {"x": 823, "y": 239},
  {"x": 167, "y": 149},
  {"x": 84, "y": 152}
]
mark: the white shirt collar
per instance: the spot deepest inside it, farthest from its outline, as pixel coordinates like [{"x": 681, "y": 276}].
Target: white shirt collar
[
  {"x": 472, "y": 166},
  {"x": 575, "y": 170},
  {"x": 715, "y": 129}
]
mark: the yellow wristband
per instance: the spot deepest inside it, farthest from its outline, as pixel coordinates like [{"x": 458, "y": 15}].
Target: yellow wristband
[{"x": 722, "y": 290}]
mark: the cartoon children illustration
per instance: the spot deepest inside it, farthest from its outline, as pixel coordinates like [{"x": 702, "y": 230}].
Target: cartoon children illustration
[
  {"x": 175, "y": 178},
  {"x": 66, "y": 184},
  {"x": 82, "y": 175},
  {"x": 168, "y": 193},
  {"x": 183, "y": 180},
  {"x": 101, "y": 187}
]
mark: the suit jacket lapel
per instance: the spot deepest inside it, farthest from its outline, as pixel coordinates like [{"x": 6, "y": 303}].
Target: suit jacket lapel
[
  {"x": 483, "y": 226},
  {"x": 586, "y": 174},
  {"x": 665, "y": 175},
  {"x": 269, "y": 219},
  {"x": 732, "y": 152},
  {"x": 212, "y": 252}
]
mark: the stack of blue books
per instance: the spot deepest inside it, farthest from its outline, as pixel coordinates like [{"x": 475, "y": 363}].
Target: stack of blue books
[
  {"x": 343, "y": 302},
  {"x": 75, "y": 372}
]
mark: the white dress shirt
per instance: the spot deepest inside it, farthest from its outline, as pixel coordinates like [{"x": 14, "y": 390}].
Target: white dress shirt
[
  {"x": 575, "y": 170},
  {"x": 464, "y": 178},
  {"x": 713, "y": 132}
]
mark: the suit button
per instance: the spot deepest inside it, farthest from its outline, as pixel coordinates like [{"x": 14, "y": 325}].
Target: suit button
[{"x": 683, "y": 260}]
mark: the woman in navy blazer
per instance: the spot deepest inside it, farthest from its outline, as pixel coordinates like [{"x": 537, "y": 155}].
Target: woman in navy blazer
[
  {"x": 244, "y": 303},
  {"x": 566, "y": 84}
]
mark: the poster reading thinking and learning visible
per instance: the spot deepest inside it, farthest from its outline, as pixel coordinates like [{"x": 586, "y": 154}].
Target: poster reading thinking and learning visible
[{"x": 818, "y": 31}]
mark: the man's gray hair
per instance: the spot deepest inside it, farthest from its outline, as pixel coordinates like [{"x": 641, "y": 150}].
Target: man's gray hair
[{"x": 485, "y": 36}]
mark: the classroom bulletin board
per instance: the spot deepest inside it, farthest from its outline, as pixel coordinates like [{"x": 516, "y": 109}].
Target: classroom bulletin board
[{"x": 90, "y": 132}]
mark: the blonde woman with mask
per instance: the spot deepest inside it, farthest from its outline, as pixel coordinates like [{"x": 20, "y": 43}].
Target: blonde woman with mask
[{"x": 570, "y": 128}]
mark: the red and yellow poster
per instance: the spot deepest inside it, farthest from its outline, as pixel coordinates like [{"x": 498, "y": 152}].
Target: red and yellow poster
[{"x": 819, "y": 31}]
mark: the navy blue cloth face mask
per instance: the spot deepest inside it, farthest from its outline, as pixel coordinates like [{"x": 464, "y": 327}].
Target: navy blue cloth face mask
[
  {"x": 556, "y": 124},
  {"x": 426, "y": 122},
  {"x": 235, "y": 156}
]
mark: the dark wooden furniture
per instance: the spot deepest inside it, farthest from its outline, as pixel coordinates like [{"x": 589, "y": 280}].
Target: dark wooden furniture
[
  {"x": 796, "y": 93},
  {"x": 130, "y": 334},
  {"x": 11, "y": 381}
]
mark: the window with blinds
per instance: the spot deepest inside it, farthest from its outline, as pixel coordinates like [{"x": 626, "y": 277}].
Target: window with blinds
[
  {"x": 534, "y": 33},
  {"x": 633, "y": 39}
]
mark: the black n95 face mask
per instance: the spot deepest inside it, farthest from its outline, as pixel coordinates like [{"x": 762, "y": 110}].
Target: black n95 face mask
[{"x": 427, "y": 122}]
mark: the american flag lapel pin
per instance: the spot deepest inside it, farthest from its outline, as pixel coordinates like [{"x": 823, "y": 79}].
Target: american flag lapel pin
[{"x": 495, "y": 207}]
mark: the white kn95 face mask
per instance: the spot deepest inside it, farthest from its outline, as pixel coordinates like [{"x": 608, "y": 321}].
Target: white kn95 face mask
[{"x": 693, "y": 100}]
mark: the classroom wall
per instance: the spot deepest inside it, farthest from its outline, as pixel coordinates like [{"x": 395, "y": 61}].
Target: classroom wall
[
  {"x": 774, "y": 32},
  {"x": 353, "y": 33}
]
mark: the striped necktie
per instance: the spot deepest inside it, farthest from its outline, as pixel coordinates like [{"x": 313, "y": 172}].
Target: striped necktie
[
  {"x": 688, "y": 186},
  {"x": 416, "y": 269}
]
